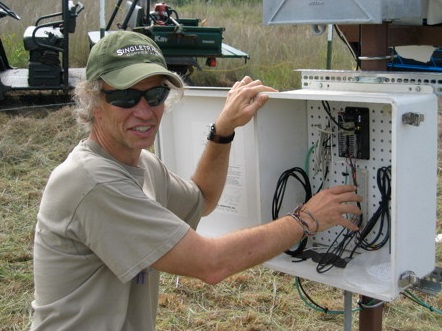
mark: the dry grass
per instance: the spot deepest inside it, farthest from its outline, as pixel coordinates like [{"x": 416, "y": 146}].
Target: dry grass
[
  {"x": 32, "y": 143},
  {"x": 275, "y": 51},
  {"x": 30, "y": 147}
]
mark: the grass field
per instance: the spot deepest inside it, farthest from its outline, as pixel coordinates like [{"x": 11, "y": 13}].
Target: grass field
[{"x": 33, "y": 141}]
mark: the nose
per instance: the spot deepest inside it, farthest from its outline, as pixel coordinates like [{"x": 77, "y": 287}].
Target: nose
[{"x": 143, "y": 110}]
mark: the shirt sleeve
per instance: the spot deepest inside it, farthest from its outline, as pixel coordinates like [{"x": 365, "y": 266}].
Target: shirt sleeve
[
  {"x": 127, "y": 230},
  {"x": 182, "y": 197}
]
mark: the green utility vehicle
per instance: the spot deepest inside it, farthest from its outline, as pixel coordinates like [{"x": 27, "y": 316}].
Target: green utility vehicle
[{"x": 182, "y": 40}]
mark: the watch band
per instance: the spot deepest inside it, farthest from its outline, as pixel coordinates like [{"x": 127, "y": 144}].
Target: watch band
[{"x": 212, "y": 136}]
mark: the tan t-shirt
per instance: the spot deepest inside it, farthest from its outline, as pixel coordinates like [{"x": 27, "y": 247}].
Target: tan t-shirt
[{"x": 100, "y": 227}]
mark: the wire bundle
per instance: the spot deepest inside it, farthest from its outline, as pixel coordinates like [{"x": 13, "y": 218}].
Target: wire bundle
[
  {"x": 378, "y": 225},
  {"x": 381, "y": 216},
  {"x": 300, "y": 176}
]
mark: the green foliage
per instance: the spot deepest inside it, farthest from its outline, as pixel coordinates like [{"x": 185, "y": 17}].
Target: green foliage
[
  {"x": 258, "y": 299},
  {"x": 17, "y": 55},
  {"x": 276, "y": 51},
  {"x": 223, "y": 3}
]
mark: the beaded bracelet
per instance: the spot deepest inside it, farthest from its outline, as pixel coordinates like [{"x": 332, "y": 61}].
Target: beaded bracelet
[
  {"x": 313, "y": 218},
  {"x": 297, "y": 216},
  {"x": 303, "y": 224}
]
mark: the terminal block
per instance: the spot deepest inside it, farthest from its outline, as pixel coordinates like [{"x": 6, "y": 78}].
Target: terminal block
[{"x": 354, "y": 133}]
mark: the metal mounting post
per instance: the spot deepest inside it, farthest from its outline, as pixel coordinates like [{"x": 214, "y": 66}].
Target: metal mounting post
[{"x": 348, "y": 313}]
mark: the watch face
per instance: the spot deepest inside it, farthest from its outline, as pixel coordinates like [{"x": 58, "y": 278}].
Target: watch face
[
  {"x": 218, "y": 139},
  {"x": 212, "y": 132}
]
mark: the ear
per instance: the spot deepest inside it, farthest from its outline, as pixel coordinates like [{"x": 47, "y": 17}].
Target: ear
[{"x": 98, "y": 110}]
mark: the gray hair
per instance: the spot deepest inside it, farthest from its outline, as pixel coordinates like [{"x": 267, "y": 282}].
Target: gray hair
[{"x": 87, "y": 98}]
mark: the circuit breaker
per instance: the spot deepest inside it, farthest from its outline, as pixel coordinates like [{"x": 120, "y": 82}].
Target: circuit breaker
[
  {"x": 377, "y": 131},
  {"x": 354, "y": 134}
]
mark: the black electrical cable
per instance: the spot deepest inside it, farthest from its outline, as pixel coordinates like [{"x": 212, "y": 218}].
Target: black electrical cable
[
  {"x": 308, "y": 300},
  {"x": 301, "y": 176},
  {"x": 381, "y": 217},
  {"x": 351, "y": 48},
  {"x": 333, "y": 256},
  {"x": 281, "y": 185},
  {"x": 327, "y": 109},
  {"x": 299, "y": 283},
  {"x": 326, "y": 145}
]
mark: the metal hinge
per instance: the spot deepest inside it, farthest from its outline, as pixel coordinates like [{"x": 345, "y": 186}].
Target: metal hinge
[
  {"x": 430, "y": 284},
  {"x": 408, "y": 278}
]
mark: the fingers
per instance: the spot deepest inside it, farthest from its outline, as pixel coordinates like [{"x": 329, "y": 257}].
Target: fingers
[
  {"x": 348, "y": 208},
  {"x": 348, "y": 224},
  {"x": 246, "y": 80},
  {"x": 243, "y": 101},
  {"x": 351, "y": 220},
  {"x": 349, "y": 197},
  {"x": 344, "y": 193},
  {"x": 329, "y": 207},
  {"x": 253, "y": 92},
  {"x": 256, "y": 86},
  {"x": 342, "y": 189}
]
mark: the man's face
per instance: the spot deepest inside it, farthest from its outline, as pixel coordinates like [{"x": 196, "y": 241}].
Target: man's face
[{"x": 124, "y": 132}]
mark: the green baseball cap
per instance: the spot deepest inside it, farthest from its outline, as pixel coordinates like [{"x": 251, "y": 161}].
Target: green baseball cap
[{"x": 123, "y": 58}]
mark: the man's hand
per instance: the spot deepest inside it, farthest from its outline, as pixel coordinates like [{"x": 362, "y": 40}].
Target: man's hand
[
  {"x": 243, "y": 101},
  {"x": 329, "y": 206}
]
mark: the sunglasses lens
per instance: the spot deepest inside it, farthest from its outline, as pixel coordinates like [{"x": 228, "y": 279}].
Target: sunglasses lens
[
  {"x": 157, "y": 95},
  {"x": 123, "y": 98},
  {"x": 130, "y": 97}
]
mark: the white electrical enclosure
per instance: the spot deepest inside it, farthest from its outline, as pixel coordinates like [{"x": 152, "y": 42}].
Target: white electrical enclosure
[
  {"x": 402, "y": 122},
  {"x": 341, "y": 11}
]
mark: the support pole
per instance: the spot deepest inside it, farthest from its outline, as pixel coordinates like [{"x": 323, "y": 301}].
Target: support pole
[
  {"x": 374, "y": 47},
  {"x": 348, "y": 313},
  {"x": 102, "y": 18},
  {"x": 329, "y": 45},
  {"x": 370, "y": 319}
]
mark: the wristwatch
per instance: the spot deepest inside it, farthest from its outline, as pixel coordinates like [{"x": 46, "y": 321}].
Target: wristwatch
[{"x": 212, "y": 136}]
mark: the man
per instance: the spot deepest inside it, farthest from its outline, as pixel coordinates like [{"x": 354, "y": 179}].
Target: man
[{"x": 112, "y": 216}]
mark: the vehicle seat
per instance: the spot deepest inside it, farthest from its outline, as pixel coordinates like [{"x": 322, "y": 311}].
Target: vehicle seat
[{"x": 43, "y": 36}]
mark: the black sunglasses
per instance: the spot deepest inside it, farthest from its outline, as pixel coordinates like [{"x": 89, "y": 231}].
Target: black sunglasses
[{"x": 130, "y": 97}]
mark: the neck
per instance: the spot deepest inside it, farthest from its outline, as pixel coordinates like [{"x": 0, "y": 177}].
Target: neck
[{"x": 129, "y": 157}]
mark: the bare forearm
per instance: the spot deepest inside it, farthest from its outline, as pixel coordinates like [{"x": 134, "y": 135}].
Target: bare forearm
[
  {"x": 249, "y": 247},
  {"x": 211, "y": 173},
  {"x": 242, "y": 103},
  {"x": 214, "y": 259}
]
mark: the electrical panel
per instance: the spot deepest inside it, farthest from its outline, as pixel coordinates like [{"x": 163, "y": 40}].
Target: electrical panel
[
  {"x": 380, "y": 137},
  {"x": 354, "y": 134}
]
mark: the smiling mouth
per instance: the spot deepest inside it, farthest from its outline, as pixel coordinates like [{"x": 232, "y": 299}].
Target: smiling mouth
[{"x": 141, "y": 128}]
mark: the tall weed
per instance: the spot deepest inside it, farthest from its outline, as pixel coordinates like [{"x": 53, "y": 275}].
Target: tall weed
[
  {"x": 275, "y": 51},
  {"x": 32, "y": 144}
]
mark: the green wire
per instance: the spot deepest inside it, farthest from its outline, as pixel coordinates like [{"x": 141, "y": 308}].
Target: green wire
[
  {"x": 422, "y": 303},
  {"x": 322, "y": 310},
  {"x": 307, "y": 159}
]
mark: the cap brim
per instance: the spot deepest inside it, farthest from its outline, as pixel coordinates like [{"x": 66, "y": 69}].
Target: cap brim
[{"x": 128, "y": 76}]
